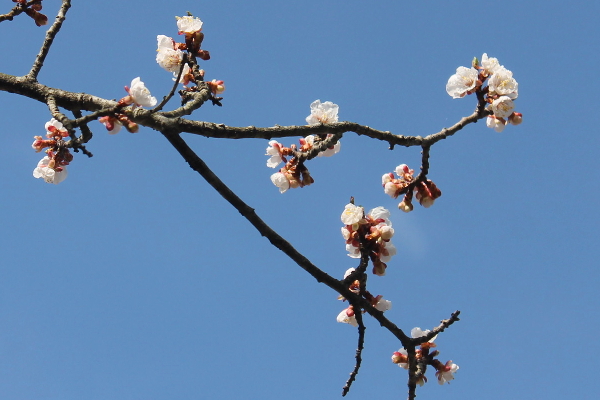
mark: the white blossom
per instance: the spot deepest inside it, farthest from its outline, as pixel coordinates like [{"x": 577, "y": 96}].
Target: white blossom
[
  {"x": 186, "y": 71},
  {"x": 53, "y": 125},
  {"x": 274, "y": 150},
  {"x": 502, "y": 83},
  {"x": 489, "y": 64},
  {"x": 353, "y": 251},
  {"x": 345, "y": 232},
  {"x": 381, "y": 213},
  {"x": 344, "y": 318},
  {"x": 48, "y": 174},
  {"x": 418, "y": 332},
  {"x": 390, "y": 189},
  {"x": 390, "y": 251},
  {"x": 322, "y": 113},
  {"x": 495, "y": 123},
  {"x": 463, "y": 81},
  {"x": 352, "y": 214},
  {"x": 189, "y": 24},
  {"x": 168, "y": 57},
  {"x": 280, "y": 180},
  {"x": 405, "y": 353},
  {"x": 503, "y": 106},
  {"x": 140, "y": 94},
  {"x": 387, "y": 232},
  {"x": 383, "y": 305},
  {"x": 447, "y": 374}
]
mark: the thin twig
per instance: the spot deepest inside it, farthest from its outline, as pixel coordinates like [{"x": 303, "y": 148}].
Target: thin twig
[
  {"x": 50, "y": 35},
  {"x": 16, "y": 10},
  {"x": 166, "y": 99},
  {"x": 75, "y": 143},
  {"x": 359, "y": 349}
]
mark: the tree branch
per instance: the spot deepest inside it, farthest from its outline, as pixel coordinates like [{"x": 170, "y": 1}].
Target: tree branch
[{"x": 50, "y": 35}]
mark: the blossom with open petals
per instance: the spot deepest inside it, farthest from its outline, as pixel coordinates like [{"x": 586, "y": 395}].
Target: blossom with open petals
[
  {"x": 274, "y": 150},
  {"x": 322, "y": 113},
  {"x": 281, "y": 181},
  {"x": 502, "y": 83},
  {"x": 503, "y": 107},
  {"x": 489, "y": 64},
  {"x": 55, "y": 128},
  {"x": 461, "y": 83},
  {"x": 45, "y": 169},
  {"x": 446, "y": 374},
  {"x": 189, "y": 24},
  {"x": 496, "y": 124},
  {"x": 383, "y": 304},
  {"x": 352, "y": 214},
  {"x": 140, "y": 95},
  {"x": 347, "y": 317},
  {"x": 168, "y": 56}
]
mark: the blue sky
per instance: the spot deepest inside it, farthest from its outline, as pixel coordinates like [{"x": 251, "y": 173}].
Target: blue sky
[{"x": 132, "y": 279}]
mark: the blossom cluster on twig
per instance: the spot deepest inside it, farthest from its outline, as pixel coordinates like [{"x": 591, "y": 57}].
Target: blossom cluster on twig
[
  {"x": 425, "y": 191},
  {"x": 294, "y": 173},
  {"x": 424, "y": 357},
  {"x": 53, "y": 167},
  {"x": 501, "y": 90}
]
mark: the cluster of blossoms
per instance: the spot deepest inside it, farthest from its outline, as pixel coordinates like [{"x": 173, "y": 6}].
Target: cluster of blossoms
[
  {"x": 33, "y": 10},
  {"x": 294, "y": 173},
  {"x": 424, "y": 357},
  {"x": 426, "y": 191},
  {"x": 170, "y": 54},
  {"x": 52, "y": 168},
  {"x": 373, "y": 231},
  {"x": 347, "y": 315},
  {"x": 500, "y": 91}
]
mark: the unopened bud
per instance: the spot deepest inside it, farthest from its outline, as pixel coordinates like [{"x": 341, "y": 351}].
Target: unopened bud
[
  {"x": 515, "y": 118},
  {"x": 217, "y": 87}
]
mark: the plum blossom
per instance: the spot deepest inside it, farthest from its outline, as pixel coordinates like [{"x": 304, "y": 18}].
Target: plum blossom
[
  {"x": 168, "y": 55},
  {"x": 489, "y": 64},
  {"x": 139, "y": 94},
  {"x": 446, "y": 373},
  {"x": 281, "y": 181},
  {"x": 189, "y": 24},
  {"x": 46, "y": 169},
  {"x": 400, "y": 357},
  {"x": 383, "y": 305},
  {"x": 352, "y": 214},
  {"x": 274, "y": 150},
  {"x": 461, "y": 83},
  {"x": 55, "y": 128},
  {"x": 322, "y": 113},
  {"x": 186, "y": 75},
  {"x": 502, "y": 83},
  {"x": 496, "y": 124},
  {"x": 347, "y": 316},
  {"x": 503, "y": 107}
]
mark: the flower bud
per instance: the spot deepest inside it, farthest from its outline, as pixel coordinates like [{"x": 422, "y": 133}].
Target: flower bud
[{"x": 515, "y": 118}]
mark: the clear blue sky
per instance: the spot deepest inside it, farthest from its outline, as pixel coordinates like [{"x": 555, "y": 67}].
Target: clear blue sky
[{"x": 132, "y": 279}]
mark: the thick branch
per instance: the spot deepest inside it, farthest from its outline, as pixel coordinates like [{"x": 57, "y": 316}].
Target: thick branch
[
  {"x": 276, "y": 240},
  {"x": 169, "y": 121}
]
